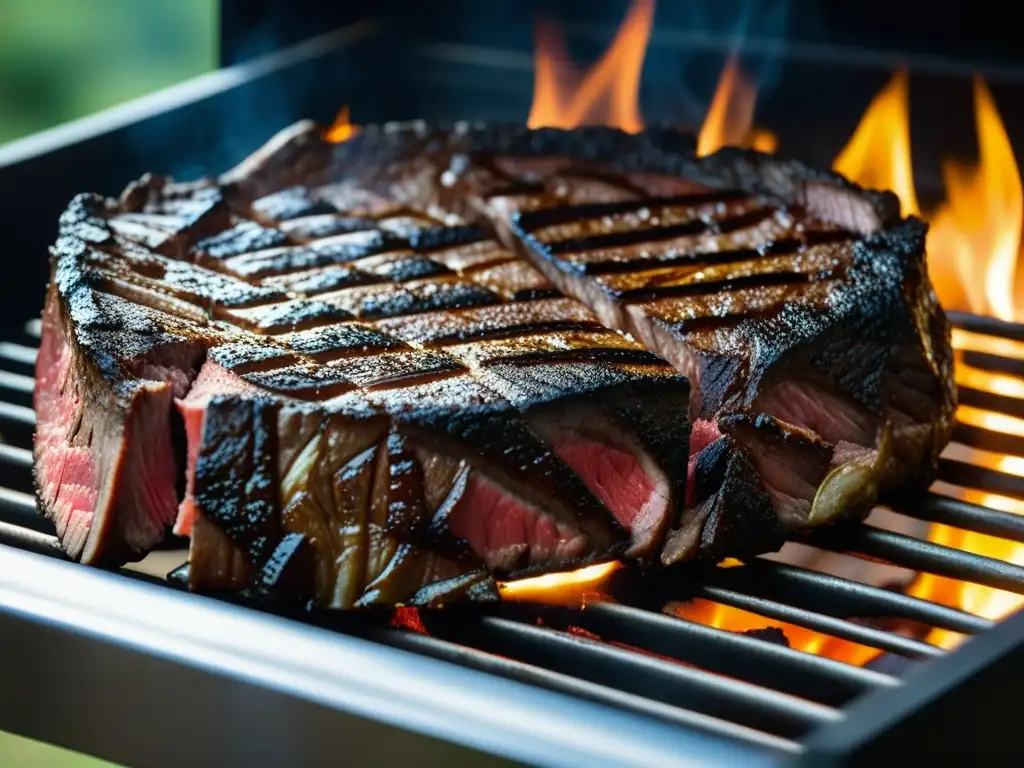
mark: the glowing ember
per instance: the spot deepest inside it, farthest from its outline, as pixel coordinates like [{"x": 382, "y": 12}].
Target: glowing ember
[
  {"x": 566, "y": 588},
  {"x": 762, "y": 140},
  {"x": 342, "y": 128},
  {"x": 730, "y": 117},
  {"x": 736, "y": 620},
  {"x": 608, "y": 93}
]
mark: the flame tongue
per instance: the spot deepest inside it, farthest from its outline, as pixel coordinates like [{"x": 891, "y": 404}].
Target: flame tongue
[
  {"x": 976, "y": 232},
  {"x": 567, "y": 588},
  {"x": 974, "y": 238},
  {"x": 731, "y": 113},
  {"x": 878, "y": 154},
  {"x": 342, "y": 128},
  {"x": 608, "y": 94},
  {"x": 730, "y": 118}
]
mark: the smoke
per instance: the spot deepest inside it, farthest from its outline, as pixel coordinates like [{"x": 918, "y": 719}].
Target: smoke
[{"x": 694, "y": 39}]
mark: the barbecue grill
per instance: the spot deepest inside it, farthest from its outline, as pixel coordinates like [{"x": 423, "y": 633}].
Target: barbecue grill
[{"x": 129, "y": 666}]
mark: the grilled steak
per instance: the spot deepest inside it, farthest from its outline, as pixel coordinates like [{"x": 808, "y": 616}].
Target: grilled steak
[
  {"x": 797, "y": 304},
  {"x": 352, "y": 373},
  {"x": 338, "y": 397}
]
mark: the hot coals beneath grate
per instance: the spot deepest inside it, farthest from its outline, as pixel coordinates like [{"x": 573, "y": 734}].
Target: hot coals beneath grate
[{"x": 762, "y": 651}]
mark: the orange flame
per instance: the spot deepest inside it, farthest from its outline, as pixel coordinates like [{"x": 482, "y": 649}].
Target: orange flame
[
  {"x": 878, "y": 153},
  {"x": 737, "y": 620},
  {"x": 730, "y": 118},
  {"x": 973, "y": 247},
  {"x": 566, "y": 588},
  {"x": 608, "y": 94},
  {"x": 342, "y": 128},
  {"x": 975, "y": 234}
]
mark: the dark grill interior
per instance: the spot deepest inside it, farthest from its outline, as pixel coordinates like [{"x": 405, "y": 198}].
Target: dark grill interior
[{"x": 628, "y": 654}]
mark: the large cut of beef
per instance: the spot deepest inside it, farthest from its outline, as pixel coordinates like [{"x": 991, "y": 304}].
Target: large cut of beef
[
  {"x": 797, "y": 305},
  {"x": 392, "y": 369}
]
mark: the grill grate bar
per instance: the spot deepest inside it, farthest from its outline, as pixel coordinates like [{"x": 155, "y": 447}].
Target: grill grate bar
[
  {"x": 841, "y": 628},
  {"x": 994, "y": 363},
  {"x": 765, "y": 663},
  {"x": 18, "y": 353},
  {"x": 936, "y": 508},
  {"x": 990, "y": 401},
  {"x": 18, "y": 457},
  {"x": 22, "y": 537},
  {"x": 997, "y": 442},
  {"x": 15, "y": 468},
  {"x": 573, "y": 686},
  {"x": 982, "y": 478},
  {"x": 19, "y": 509},
  {"x": 988, "y": 326},
  {"x": 840, "y": 597},
  {"x": 20, "y": 415},
  {"x": 717, "y": 696},
  {"x": 919, "y": 555},
  {"x": 16, "y": 383},
  {"x": 501, "y": 646}
]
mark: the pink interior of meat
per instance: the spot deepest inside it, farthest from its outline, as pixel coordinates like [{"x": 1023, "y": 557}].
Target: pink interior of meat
[
  {"x": 502, "y": 529},
  {"x": 212, "y": 380},
  {"x": 702, "y": 434},
  {"x": 192, "y": 413},
  {"x": 66, "y": 474},
  {"x": 147, "y": 492},
  {"x": 815, "y": 408},
  {"x": 617, "y": 477}
]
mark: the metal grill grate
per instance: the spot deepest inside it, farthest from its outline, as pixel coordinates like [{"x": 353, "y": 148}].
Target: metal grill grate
[{"x": 630, "y": 655}]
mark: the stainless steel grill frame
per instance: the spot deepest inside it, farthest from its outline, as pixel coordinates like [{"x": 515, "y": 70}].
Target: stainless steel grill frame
[{"x": 128, "y": 667}]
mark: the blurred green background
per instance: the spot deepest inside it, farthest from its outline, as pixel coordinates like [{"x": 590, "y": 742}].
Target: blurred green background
[{"x": 62, "y": 59}]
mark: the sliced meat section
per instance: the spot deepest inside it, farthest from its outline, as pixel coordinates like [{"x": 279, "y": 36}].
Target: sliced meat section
[
  {"x": 106, "y": 468},
  {"x": 438, "y": 418}
]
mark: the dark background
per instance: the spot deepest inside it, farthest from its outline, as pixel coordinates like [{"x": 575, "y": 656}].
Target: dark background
[{"x": 984, "y": 31}]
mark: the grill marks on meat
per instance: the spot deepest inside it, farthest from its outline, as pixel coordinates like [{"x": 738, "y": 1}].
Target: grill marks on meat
[
  {"x": 377, "y": 424},
  {"x": 339, "y": 325},
  {"x": 797, "y": 305},
  {"x": 786, "y": 325}
]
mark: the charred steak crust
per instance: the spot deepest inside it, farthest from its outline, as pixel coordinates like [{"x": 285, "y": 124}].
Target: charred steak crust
[
  {"x": 381, "y": 403},
  {"x": 387, "y": 397},
  {"x": 777, "y": 289}
]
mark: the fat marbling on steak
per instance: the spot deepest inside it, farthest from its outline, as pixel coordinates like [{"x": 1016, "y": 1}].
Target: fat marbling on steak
[
  {"x": 797, "y": 304},
  {"x": 338, "y": 397}
]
